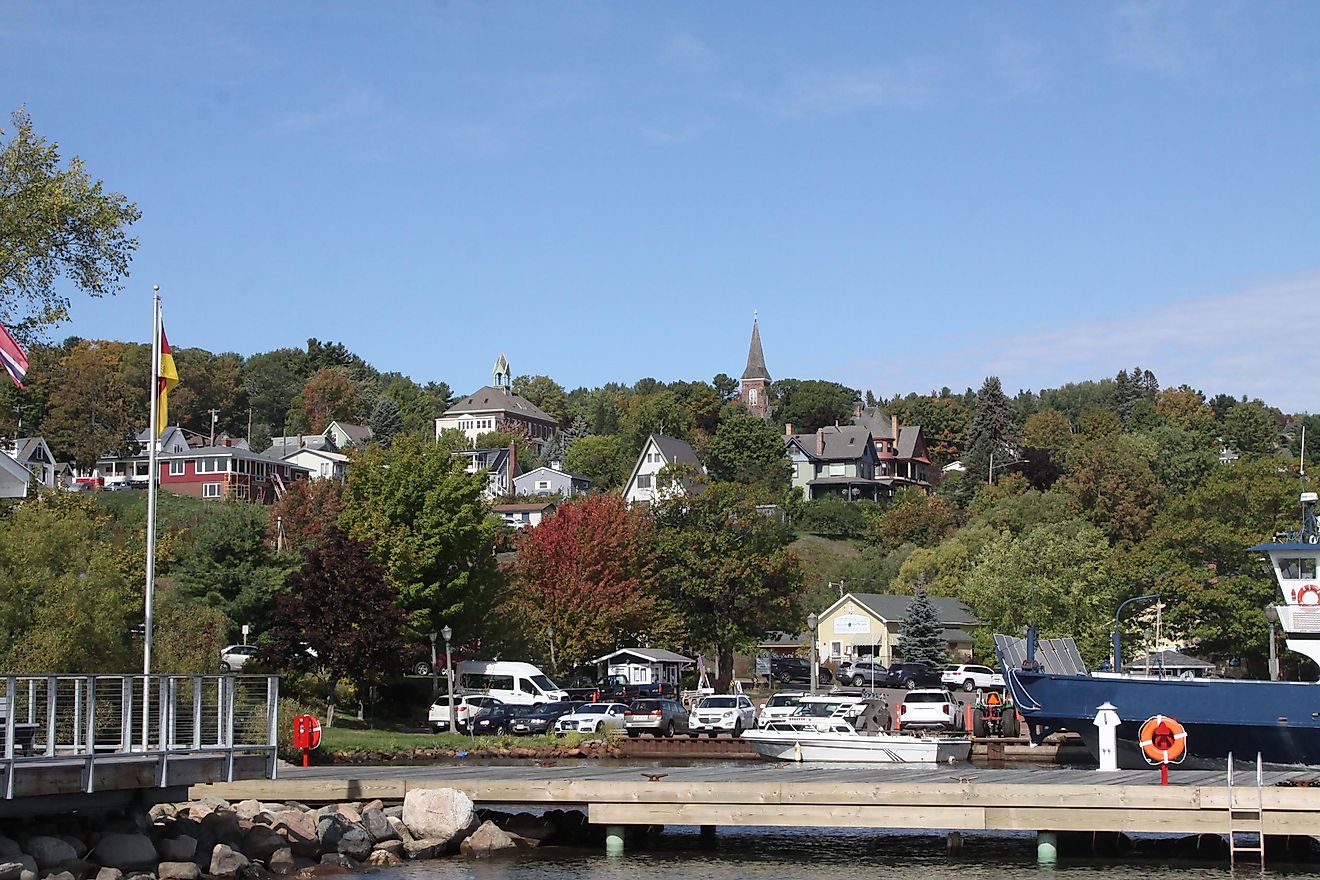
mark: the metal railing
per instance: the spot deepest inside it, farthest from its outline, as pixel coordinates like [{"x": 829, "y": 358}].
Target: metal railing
[{"x": 81, "y": 719}]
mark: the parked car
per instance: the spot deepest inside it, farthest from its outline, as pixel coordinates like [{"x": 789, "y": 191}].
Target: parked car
[
  {"x": 797, "y": 670},
  {"x": 610, "y": 688},
  {"x": 235, "y": 657},
  {"x": 733, "y": 713},
  {"x": 913, "y": 675},
  {"x": 971, "y": 677},
  {"x": 593, "y": 718},
  {"x": 864, "y": 673},
  {"x": 465, "y": 706},
  {"x": 541, "y": 720},
  {"x": 656, "y": 717},
  {"x": 497, "y": 720},
  {"x": 929, "y": 709},
  {"x": 779, "y": 707}
]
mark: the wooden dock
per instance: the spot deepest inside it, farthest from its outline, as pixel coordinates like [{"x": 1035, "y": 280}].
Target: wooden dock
[{"x": 959, "y": 797}]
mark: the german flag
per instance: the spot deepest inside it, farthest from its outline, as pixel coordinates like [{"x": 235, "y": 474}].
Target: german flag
[{"x": 166, "y": 378}]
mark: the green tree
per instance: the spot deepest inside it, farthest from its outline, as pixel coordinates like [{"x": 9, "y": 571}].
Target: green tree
[
  {"x": 747, "y": 450},
  {"x": 833, "y": 517},
  {"x": 428, "y": 524},
  {"x": 1101, "y": 422},
  {"x": 55, "y": 222},
  {"x": 727, "y": 571},
  {"x": 913, "y": 518},
  {"x": 725, "y": 386},
  {"x": 229, "y": 565},
  {"x": 544, "y": 393},
  {"x": 1185, "y": 407},
  {"x": 811, "y": 404},
  {"x": 993, "y": 432},
  {"x": 97, "y": 403},
  {"x": 1111, "y": 482},
  {"x": 209, "y": 381},
  {"x": 272, "y": 380},
  {"x": 944, "y": 422},
  {"x": 659, "y": 413},
  {"x": 922, "y": 639},
  {"x": 1182, "y": 459},
  {"x": 386, "y": 421},
  {"x": 1047, "y": 429},
  {"x": 1250, "y": 428},
  {"x": 330, "y": 395},
  {"x": 603, "y": 459},
  {"x": 1312, "y": 451}
]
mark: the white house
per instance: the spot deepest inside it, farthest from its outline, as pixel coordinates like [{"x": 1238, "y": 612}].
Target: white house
[
  {"x": 14, "y": 478},
  {"x": 33, "y": 454},
  {"x": 323, "y": 464},
  {"x": 524, "y": 516},
  {"x": 646, "y": 487},
  {"x": 647, "y": 666},
  {"x": 550, "y": 481},
  {"x": 491, "y": 406}
]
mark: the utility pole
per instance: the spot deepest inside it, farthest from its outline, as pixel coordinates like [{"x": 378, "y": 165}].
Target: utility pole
[{"x": 215, "y": 417}]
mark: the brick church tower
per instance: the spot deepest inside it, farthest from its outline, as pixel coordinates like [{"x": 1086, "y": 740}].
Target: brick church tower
[{"x": 756, "y": 378}]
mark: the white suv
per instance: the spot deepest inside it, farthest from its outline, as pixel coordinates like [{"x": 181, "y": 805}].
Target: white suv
[
  {"x": 930, "y": 709},
  {"x": 733, "y": 713},
  {"x": 970, "y": 678}
]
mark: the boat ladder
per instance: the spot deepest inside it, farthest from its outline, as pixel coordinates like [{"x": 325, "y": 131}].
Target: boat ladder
[{"x": 1247, "y": 821}]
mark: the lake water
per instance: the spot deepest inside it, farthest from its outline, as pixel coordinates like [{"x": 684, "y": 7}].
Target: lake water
[{"x": 810, "y": 854}]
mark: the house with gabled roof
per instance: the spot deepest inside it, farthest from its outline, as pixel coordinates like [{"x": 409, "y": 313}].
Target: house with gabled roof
[
  {"x": 342, "y": 436},
  {"x": 901, "y": 455},
  {"x": 870, "y": 625},
  {"x": 647, "y": 485},
  {"x": 835, "y": 461},
  {"x": 34, "y": 455},
  {"x": 550, "y": 481},
  {"x": 14, "y": 478},
  {"x": 496, "y": 407},
  {"x": 321, "y": 464}
]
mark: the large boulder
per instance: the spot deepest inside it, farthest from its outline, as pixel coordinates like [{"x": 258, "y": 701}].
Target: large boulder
[
  {"x": 178, "y": 849},
  {"x": 282, "y": 861},
  {"x": 443, "y": 814},
  {"x": 178, "y": 871},
  {"x": 9, "y": 847},
  {"x": 354, "y": 842},
  {"x": 223, "y": 825},
  {"x": 300, "y": 830},
  {"x": 382, "y": 858},
  {"x": 378, "y": 827},
  {"x": 261, "y": 842},
  {"x": 247, "y": 809},
  {"x": 225, "y": 863},
  {"x": 487, "y": 841},
  {"x": 125, "y": 851},
  {"x": 49, "y": 851},
  {"x": 109, "y": 874},
  {"x": 423, "y": 849}
]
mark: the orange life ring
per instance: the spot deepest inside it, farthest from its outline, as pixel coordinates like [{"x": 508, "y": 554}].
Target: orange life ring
[
  {"x": 1163, "y": 740},
  {"x": 1308, "y": 590}
]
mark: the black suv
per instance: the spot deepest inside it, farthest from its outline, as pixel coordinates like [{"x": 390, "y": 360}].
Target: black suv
[
  {"x": 797, "y": 670},
  {"x": 913, "y": 675}
]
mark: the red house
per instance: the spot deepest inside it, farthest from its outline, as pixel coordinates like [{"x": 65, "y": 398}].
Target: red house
[{"x": 227, "y": 472}]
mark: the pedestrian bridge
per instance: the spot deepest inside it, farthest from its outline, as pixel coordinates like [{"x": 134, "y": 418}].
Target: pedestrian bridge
[{"x": 77, "y": 742}]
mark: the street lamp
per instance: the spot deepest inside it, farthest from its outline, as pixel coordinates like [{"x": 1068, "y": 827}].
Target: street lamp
[
  {"x": 1118, "y": 632},
  {"x": 435, "y": 674},
  {"x": 812, "y": 620},
  {"x": 991, "y": 478},
  {"x": 550, "y": 634},
  {"x": 448, "y": 634}
]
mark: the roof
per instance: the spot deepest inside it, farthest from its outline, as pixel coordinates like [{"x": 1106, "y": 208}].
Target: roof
[
  {"x": 755, "y": 357},
  {"x": 890, "y": 607},
  {"x": 320, "y": 453},
  {"x": 10, "y": 466},
  {"x": 490, "y": 399},
  {"x": 1169, "y": 659},
  {"x": 957, "y": 636},
  {"x": 675, "y": 451},
  {"x": 842, "y": 442},
  {"x": 653, "y": 655},
  {"x": 305, "y": 441},
  {"x": 849, "y": 481},
  {"x": 877, "y": 421},
  {"x": 24, "y": 447},
  {"x": 907, "y": 441},
  {"x": 782, "y": 639},
  {"x": 550, "y": 470},
  {"x": 523, "y": 508},
  {"x": 232, "y": 452},
  {"x": 359, "y": 434}
]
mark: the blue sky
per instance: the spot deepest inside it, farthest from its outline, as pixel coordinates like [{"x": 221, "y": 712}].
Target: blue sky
[{"x": 912, "y": 195}]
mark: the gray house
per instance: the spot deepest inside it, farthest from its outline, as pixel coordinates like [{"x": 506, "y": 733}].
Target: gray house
[
  {"x": 838, "y": 460},
  {"x": 549, "y": 481}
]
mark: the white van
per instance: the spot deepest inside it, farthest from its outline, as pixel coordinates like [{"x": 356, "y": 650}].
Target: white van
[{"x": 517, "y": 684}]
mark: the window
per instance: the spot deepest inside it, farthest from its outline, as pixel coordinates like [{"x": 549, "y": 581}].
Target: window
[
  {"x": 542, "y": 484},
  {"x": 751, "y": 397},
  {"x": 1295, "y": 569},
  {"x": 526, "y": 517},
  {"x": 210, "y": 490},
  {"x": 325, "y": 470},
  {"x": 176, "y": 467},
  {"x": 643, "y": 481},
  {"x": 837, "y": 469},
  {"x": 212, "y": 465}
]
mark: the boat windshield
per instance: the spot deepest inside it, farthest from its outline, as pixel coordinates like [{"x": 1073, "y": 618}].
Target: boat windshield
[{"x": 816, "y": 710}]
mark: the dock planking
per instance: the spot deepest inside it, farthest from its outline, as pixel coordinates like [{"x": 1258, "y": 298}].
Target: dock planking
[{"x": 960, "y": 797}]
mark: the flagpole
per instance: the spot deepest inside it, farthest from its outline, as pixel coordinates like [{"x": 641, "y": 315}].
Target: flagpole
[{"x": 149, "y": 592}]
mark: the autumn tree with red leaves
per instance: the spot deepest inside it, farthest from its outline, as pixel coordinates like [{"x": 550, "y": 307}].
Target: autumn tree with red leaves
[
  {"x": 586, "y": 573},
  {"x": 306, "y": 514}
]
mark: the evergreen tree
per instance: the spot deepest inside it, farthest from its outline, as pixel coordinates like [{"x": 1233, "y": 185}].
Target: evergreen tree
[
  {"x": 386, "y": 421},
  {"x": 994, "y": 432},
  {"x": 923, "y": 633}
]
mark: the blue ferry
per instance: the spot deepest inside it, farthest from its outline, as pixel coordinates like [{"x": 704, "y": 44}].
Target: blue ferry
[{"x": 1278, "y": 720}]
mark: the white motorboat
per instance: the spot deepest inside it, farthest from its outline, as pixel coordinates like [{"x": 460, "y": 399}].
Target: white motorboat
[{"x": 853, "y": 730}]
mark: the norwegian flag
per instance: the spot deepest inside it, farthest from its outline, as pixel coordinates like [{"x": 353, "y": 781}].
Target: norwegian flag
[{"x": 13, "y": 358}]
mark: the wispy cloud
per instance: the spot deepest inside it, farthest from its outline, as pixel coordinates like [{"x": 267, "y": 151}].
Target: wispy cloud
[
  {"x": 687, "y": 54},
  {"x": 353, "y": 104},
  {"x": 842, "y": 93},
  {"x": 1259, "y": 341},
  {"x": 682, "y": 133}
]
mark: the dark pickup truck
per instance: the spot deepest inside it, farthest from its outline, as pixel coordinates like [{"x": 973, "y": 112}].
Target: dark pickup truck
[{"x": 610, "y": 688}]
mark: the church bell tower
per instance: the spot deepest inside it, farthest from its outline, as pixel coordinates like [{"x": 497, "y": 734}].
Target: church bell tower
[{"x": 756, "y": 378}]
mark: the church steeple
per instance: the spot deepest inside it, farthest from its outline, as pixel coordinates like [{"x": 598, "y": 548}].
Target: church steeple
[
  {"x": 501, "y": 372},
  {"x": 756, "y": 378}
]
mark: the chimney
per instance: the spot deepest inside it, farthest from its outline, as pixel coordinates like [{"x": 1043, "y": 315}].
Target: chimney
[
  {"x": 893, "y": 425},
  {"x": 788, "y": 429},
  {"x": 300, "y": 441},
  {"x": 820, "y": 441},
  {"x": 557, "y": 465},
  {"x": 857, "y": 408}
]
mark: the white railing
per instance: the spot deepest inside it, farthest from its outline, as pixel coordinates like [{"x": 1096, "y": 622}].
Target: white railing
[{"x": 81, "y": 719}]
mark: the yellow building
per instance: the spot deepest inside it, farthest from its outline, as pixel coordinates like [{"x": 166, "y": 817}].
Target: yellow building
[{"x": 870, "y": 625}]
